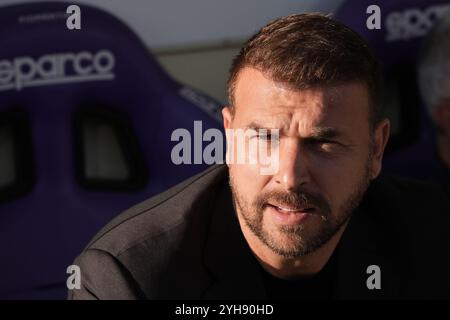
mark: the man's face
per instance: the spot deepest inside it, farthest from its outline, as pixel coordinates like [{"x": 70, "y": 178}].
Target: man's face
[{"x": 324, "y": 160}]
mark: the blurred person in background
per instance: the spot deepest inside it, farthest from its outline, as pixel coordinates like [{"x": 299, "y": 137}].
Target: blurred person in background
[
  {"x": 430, "y": 158},
  {"x": 434, "y": 82}
]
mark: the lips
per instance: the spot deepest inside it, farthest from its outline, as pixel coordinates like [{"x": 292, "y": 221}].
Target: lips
[
  {"x": 289, "y": 215},
  {"x": 291, "y": 209}
]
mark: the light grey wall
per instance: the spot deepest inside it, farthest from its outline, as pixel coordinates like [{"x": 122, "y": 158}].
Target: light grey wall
[
  {"x": 191, "y": 38},
  {"x": 162, "y": 23},
  {"x": 205, "y": 69}
]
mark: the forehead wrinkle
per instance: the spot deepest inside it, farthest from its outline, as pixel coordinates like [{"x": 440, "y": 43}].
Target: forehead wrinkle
[
  {"x": 291, "y": 120},
  {"x": 303, "y": 121}
]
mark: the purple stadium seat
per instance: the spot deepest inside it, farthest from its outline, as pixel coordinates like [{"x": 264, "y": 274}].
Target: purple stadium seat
[{"x": 86, "y": 118}]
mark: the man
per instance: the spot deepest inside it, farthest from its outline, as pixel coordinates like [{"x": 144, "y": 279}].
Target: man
[
  {"x": 320, "y": 225},
  {"x": 430, "y": 158}
]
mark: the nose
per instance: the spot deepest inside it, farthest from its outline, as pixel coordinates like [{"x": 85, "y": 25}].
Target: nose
[{"x": 293, "y": 170}]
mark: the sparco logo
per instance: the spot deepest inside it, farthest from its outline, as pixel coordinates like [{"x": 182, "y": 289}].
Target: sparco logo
[
  {"x": 56, "y": 68},
  {"x": 413, "y": 22}
]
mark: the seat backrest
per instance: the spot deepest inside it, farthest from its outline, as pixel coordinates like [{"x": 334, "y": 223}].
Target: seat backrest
[{"x": 86, "y": 118}]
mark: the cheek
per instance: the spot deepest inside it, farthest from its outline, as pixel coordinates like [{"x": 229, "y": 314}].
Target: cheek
[
  {"x": 338, "y": 178},
  {"x": 336, "y": 170},
  {"x": 247, "y": 180}
]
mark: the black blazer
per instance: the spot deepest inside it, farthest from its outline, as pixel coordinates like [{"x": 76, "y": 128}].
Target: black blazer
[{"x": 186, "y": 243}]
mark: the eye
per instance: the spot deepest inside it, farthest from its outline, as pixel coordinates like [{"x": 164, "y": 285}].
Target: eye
[
  {"x": 273, "y": 139},
  {"x": 324, "y": 141},
  {"x": 264, "y": 137},
  {"x": 325, "y": 145}
]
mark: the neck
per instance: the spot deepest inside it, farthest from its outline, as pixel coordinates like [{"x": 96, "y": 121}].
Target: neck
[
  {"x": 290, "y": 268},
  {"x": 443, "y": 145}
]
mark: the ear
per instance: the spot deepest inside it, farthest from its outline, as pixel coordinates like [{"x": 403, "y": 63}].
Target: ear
[
  {"x": 227, "y": 117},
  {"x": 380, "y": 139},
  {"x": 227, "y": 124}
]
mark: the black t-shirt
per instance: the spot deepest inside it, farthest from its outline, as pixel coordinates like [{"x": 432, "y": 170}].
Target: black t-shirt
[{"x": 319, "y": 286}]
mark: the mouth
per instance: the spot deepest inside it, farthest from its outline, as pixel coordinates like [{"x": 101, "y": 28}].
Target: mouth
[
  {"x": 290, "y": 215},
  {"x": 291, "y": 209}
]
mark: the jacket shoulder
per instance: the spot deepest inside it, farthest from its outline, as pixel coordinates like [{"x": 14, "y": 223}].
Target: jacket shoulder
[
  {"x": 163, "y": 213},
  {"x": 406, "y": 190},
  {"x": 139, "y": 253}
]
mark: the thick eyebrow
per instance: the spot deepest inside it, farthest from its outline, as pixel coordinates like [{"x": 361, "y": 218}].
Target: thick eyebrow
[
  {"x": 326, "y": 133},
  {"x": 257, "y": 126},
  {"x": 319, "y": 133}
]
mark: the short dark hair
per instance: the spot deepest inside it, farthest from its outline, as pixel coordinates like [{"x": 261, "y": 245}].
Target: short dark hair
[{"x": 311, "y": 50}]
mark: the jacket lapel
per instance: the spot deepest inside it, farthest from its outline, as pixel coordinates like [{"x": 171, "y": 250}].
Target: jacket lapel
[
  {"x": 365, "y": 242},
  {"x": 234, "y": 271}
]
